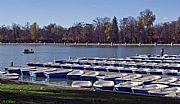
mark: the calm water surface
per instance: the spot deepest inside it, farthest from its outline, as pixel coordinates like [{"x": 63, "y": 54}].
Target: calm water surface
[{"x": 46, "y": 53}]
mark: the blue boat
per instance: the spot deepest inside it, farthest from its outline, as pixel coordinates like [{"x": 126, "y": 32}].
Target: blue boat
[
  {"x": 170, "y": 90},
  {"x": 59, "y": 73},
  {"x": 176, "y": 62},
  {"x": 115, "y": 64},
  {"x": 77, "y": 67},
  {"x": 37, "y": 64},
  {"x": 129, "y": 77},
  {"x": 75, "y": 74},
  {"x": 59, "y": 61},
  {"x": 101, "y": 63},
  {"x": 115, "y": 59},
  {"x": 126, "y": 86},
  {"x": 55, "y": 65},
  {"x": 109, "y": 77},
  {"x": 11, "y": 76},
  {"x": 144, "y": 89},
  {"x": 161, "y": 66},
  {"x": 175, "y": 84},
  {"x": 88, "y": 67},
  {"x": 91, "y": 75},
  {"x": 100, "y": 68},
  {"x": 48, "y": 64},
  {"x": 26, "y": 70},
  {"x": 130, "y": 64},
  {"x": 148, "y": 79},
  {"x": 140, "y": 90},
  {"x": 104, "y": 85},
  {"x": 142, "y": 71},
  {"x": 166, "y": 80},
  {"x": 113, "y": 69},
  {"x": 163, "y": 91},
  {"x": 66, "y": 66},
  {"x": 71, "y": 61},
  {"x": 172, "y": 72},
  {"x": 106, "y": 78},
  {"x": 40, "y": 72},
  {"x": 85, "y": 62},
  {"x": 14, "y": 69},
  {"x": 126, "y": 70},
  {"x": 174, "y": 66},
  {"x": 156, "y": 71},
  {"x": 148, "y": 65}
]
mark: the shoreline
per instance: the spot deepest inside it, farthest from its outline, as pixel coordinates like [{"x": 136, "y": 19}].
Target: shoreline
[
  {"x": 95, "y": 44},
  {"x": 21, "y": 92}
]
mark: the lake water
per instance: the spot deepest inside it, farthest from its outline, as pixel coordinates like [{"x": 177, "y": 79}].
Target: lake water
[{"x": 46, "y": 53}]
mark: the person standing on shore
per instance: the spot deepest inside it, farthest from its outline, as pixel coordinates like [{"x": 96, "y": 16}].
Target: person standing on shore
[
  {"x": 162, "y": 52},
  {"x": 12, "y": 64}
]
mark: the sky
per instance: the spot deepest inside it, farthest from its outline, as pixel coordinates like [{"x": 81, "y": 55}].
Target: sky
[{"x": 68, "y": 12}]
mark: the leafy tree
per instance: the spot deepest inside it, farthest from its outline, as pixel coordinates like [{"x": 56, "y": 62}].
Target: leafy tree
[
  {"x": 115, "y": 31},
  {"x": 147, "y": 18},
  {"x": 87, "y": 33},
  {"x": 103, "y": 30},
  {"x": 34, "y": 31},
  {"x": 16, "y": 30}
]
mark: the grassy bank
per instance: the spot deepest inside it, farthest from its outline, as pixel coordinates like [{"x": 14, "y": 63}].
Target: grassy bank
[{"x": 37, "y": 94}]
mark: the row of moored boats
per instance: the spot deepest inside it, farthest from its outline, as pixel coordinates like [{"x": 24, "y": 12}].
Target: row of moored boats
[{"x": 142, "y": 74}]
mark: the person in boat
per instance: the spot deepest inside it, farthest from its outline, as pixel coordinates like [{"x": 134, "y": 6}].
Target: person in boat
[{"x": 28, "y": 51}]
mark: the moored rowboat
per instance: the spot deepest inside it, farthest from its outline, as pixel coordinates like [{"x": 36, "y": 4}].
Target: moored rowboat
[
  {"x": 82, "y": 84},
  {"x": 104, "y": 85}
]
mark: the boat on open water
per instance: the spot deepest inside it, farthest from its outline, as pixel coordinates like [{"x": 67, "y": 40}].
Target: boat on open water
[{"x": 28, "y": 51}]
